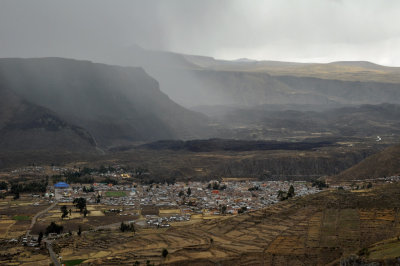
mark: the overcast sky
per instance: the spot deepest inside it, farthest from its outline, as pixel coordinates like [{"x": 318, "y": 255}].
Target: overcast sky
[{"x": 288, "y": 30}]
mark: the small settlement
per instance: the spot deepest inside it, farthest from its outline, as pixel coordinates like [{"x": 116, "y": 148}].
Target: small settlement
[{"x": 164, "y": 203}]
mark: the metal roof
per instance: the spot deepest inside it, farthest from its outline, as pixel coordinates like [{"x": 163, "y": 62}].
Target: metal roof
[{"x": 61, "y": 185}]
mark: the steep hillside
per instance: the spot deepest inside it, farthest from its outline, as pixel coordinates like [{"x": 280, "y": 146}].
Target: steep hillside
[
  {"x": 250, "y": 89},
  {"x": 345, "y": 92},
  {"x": 382, "y": 164},
  {"x": 115, "y": 104},
  {"x": 26, "y": 126},
  {"x": 198, "y": 80}
]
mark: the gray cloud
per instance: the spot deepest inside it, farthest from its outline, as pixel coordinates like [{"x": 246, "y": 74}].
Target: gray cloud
[{"x": 309, "y": 30}]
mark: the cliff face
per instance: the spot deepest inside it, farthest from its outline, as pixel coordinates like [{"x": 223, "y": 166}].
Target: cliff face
[
  {"x": 26, "y": 126},
  {"x": 291, "y": 167},
  {"x": 111, "y": 104},
  {"x": 198, "y": 80}
]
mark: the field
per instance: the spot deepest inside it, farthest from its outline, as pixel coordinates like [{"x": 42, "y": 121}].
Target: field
[
  {"x": 317, "y": 229},
  {"x": 385, "y": 250},
  {"x": 72, "y": 262},
  {"x": 115, "y": 194},
  {"x": 182, "y": 165},
  {"x": 16, "y": 215},
  {"x": 21, "y": 218}
]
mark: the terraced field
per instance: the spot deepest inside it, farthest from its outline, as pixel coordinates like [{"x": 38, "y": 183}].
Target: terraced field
[
  {"x": 15, "y": 216},
  {"x": 314, "y": 230}
]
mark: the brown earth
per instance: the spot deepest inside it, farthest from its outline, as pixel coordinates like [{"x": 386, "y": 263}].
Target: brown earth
[
  {"x": 383, "y": 164},
  {"x": 314, "y": 230}
]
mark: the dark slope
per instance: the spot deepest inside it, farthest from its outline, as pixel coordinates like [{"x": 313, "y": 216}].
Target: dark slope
[
  {"x": 383, "y": 164},
  {"x": 275, "y": 121},
  {"x": 232, "y": 145},
  {"x": 117, "y": 105},
  {"x": 26, "y": 126}
]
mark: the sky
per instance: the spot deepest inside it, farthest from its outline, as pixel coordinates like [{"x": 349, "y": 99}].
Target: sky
[{"x": 285, "y": 30}]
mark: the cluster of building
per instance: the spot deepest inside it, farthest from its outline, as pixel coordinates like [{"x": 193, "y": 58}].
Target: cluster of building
[
  {"x": 30, "y": 241},
  {"x": 156, "y": 221},
  {"x": 230, "y": 197},
  {"x": 211, "y": 198},
  {"x": 29, "y": 170}
]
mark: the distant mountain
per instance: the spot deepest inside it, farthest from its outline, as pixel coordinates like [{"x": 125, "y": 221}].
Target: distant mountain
[
  {"x": 361, "y": 64},
  {"x": 303, "y": 121},
  {"x": 193, "y": 80},
  {"x": 382, "y": 164},
  {"x": 245, "y": 60},
  {"x": 92, "y": 103}
]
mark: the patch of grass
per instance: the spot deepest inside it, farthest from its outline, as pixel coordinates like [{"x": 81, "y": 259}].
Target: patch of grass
[
  {"x": 115, "y": 194},
  {"x": 388, "y": 250},
  {"x": 72, "y": 262},
  {"x": 21, "y": 218}
]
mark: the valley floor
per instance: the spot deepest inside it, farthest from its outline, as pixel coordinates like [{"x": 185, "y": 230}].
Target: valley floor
[{"x": 319, "y": 229}]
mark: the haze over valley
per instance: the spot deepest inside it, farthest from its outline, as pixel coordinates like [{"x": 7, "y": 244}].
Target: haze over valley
[{"x": 199, "y": 132}]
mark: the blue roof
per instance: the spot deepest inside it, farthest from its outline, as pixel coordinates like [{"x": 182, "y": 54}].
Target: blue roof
[{"x": 61, "y": 185}]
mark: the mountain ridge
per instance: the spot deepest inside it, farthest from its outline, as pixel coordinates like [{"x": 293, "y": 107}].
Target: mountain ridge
[
  {"x": 193, "y": 80},
  {"x": 115, "y": 104}
]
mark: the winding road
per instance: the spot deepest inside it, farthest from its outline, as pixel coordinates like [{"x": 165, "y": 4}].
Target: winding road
[
  {"x": 53, "y": 255},
  {"x": 49, "y": 246},
  {"x": 34, "y": 219}
]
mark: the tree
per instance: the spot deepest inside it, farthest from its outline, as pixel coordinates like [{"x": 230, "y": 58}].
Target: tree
[
  {"x": 122, "y": 227},
  {"x": 3, "y": 185},
  {"x": 40, "y": 237},
  {"x": 319, "y": 183},
  {"x": 223, "y": 209},
  {"x": 189, "y": 191},
  {"x": 85, "y": 212},
  {"x": 127, "y": 227},
  {"x": 80, "y": 203},
  {"x": 290, "y": 193},
  {"x": 281, "y": 195},
  {"x": 64, "y": 211},
  {"x": 242, "y": 210},
  {"x": 98, "y": 198},
  {"x": 54, "y": 228},
  {"x": 16, "y": 195},
  {"x": 164, "y": 253},
  {"x": 215, "y": 185}
]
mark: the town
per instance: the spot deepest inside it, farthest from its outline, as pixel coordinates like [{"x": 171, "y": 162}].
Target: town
[
  {"x": 183, "y": 199},
  {"x": 40, "y": 204}
]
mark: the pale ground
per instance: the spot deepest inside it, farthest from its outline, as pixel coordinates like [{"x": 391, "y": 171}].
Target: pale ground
[{"x": 5, "y": 225}]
